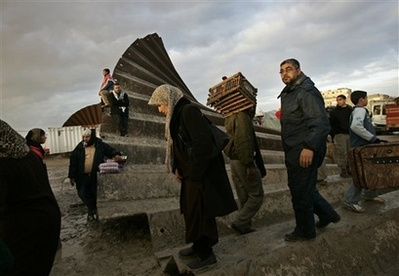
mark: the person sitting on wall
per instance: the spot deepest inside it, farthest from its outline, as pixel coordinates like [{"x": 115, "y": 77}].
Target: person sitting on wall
[{"x": 107, "y": 85}]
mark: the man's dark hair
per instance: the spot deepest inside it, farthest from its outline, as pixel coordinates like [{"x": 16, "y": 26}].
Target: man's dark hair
[
  {"x": 117, "y": 83},
  {"x": 341, "y": 96},
  {"x": 292, "y": 61},
  {"x": 356, "y": 95},
  {"x": 106, "y": 70}
]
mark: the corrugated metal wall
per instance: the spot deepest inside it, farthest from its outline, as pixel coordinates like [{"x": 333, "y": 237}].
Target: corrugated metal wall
[{"x": 65, "y": 139}]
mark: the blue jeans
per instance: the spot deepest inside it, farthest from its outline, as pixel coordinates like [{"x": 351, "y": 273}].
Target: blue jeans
[
  {"x": 87, "y": 191},
  {"x": 306, "y": 199},
  {"x": 352, "y": 195}
]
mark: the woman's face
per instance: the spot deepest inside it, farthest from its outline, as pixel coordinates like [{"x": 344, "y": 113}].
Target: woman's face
[
  {"x": 164, "y": 109},
  {"x": 43, "y": 139}
]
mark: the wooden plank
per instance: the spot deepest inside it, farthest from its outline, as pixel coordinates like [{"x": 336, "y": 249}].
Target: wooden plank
[{"x": 228, "y": 99}]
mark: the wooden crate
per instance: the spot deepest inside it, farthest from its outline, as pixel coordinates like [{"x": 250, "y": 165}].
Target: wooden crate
[{"x": 232, "y": 95}]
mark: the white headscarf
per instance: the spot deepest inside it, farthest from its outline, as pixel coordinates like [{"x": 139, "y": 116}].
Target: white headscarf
[
  {"x": 86, "y": 132},
  {"x": 167, "y": 95}
]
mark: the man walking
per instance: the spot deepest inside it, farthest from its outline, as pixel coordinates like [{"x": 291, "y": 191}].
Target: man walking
[
  {"x": 361, "y": 132},
  {"x": 247, "y": 168},
  {"x": 304, "y": 130},
  {"x": 339, "y": 119},
  {"x": 83, "y": 167}
]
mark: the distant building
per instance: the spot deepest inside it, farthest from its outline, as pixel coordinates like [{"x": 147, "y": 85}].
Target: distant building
[{"x": 330, "y": 96}]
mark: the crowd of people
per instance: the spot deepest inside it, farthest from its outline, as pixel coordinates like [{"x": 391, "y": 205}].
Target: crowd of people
[{"x": 30, "y": 217}]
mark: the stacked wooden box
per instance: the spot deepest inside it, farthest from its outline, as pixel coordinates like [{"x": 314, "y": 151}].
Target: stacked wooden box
[{"x": 232, "y": 95}]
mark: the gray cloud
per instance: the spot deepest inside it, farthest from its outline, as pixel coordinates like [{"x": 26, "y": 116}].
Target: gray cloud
[{"x": 52, "y": 53}]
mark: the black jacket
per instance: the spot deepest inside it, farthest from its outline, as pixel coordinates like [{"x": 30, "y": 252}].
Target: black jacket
[
  {"x": 304, "y": 120},
  {"x": 117, "y": 104},
  {"x": 77, "y": 159},
  {"x": 339, "y": 119},
  {"x": 192, "y": 134}
]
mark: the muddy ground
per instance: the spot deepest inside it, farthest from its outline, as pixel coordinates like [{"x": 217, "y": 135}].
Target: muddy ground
[{"x": 119, "y": 247}]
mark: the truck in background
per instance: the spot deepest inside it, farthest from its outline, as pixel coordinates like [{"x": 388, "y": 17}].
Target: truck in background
[
  {"x": 392, "y": 116},
  {"x": 383, "y": 108}
]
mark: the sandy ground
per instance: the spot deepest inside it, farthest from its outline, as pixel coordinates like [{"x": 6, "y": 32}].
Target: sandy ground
[{"x": 119, "y": 247}]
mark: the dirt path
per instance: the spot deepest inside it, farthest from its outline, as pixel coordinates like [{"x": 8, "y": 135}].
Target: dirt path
[{"x": 119, "y": 247}]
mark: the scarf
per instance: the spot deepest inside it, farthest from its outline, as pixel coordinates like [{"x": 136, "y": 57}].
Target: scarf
[
  {"x": 106, "y": 79},
  {"x": 167, "y": 95},
  {"x": 118, "y": 96},
  {"x": 12, "y": 144}
]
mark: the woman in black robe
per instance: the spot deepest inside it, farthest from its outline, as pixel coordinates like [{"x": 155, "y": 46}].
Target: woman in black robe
[
  {"x": 30, "y": 218},
  {"x": 205, "y": 189}
]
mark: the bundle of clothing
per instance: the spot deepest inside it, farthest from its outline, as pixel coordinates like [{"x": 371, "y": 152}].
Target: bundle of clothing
[{"x": 111, "y": 166}]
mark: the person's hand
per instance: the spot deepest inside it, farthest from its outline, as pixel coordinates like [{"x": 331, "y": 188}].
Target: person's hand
[
  {"x": 305, "y": 158},
  {"x": 178, "y": 176},
  {"x": 72, "y": 181},
  {"x": 251, "y": 173},
  {"x": 117, "y": 158}
]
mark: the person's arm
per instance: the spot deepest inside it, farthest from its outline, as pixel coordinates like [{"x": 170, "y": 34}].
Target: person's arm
[
  {"x": 73, "y": 166},
  {"x": 244, "y": 140},
  {"x": 109, "y": 85},
  {"x": 111, "y": 152},
  {"x": 357, "y": 125},
  {"x": 200, "y": 134},
  {"x": 316, "y": 119},
  {"x": 126, "y": 100}
]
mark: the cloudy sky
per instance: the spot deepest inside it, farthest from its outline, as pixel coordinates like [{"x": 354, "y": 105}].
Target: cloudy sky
[{"x": 53, "y": 52}]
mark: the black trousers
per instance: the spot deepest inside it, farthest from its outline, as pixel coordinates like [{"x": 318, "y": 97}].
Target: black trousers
[{"x": 87, "y": 191}]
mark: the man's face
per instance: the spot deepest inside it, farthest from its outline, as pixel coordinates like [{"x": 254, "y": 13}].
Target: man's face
[
  {"x": 117, "y": 89},
  {"x": 289, "y": 73},
  {"x": 364, "y": 101},
  {"x": 86, "y": 138},
  {"x": 341, "y": 101}
]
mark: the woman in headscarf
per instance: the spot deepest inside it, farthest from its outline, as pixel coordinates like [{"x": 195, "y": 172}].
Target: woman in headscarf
[
  {"x": 205, "y": 189},
  {"x": 34, "y": 139},
  {"x": 30, "y": 218}
]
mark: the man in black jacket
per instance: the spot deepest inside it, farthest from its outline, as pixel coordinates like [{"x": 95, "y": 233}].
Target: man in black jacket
[
  {"x": 339, "y": 119},
  {"x": 119, "y": 102},
  {"x": 83, "y": 167},
  {"x": 304, "y": 130}
]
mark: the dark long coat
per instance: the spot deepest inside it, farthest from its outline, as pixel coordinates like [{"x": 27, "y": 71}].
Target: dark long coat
[
  {"x": 30, "y": 219},
  {"x": 192, "y": 138}
]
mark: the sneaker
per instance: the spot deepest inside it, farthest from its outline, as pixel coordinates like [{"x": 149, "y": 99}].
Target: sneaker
[
  {"x": 322, "y": 224},
  {"x": 92, "y": 215},
  {"x": 187, "y": 253},
  {"x": 354, "y": 207},
  {"x": 376, "y": 199},
  {"x": 203, "y": 263},
  {"x": 294, "y": 237}
]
